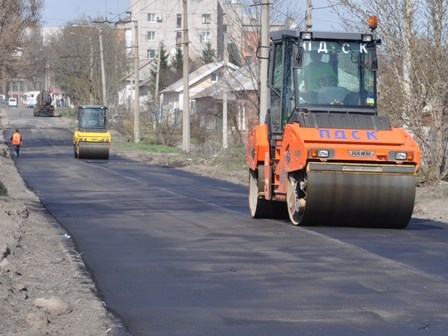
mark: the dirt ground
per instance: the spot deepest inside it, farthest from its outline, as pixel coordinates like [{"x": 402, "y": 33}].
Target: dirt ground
[{"x": 44, "y": 286}]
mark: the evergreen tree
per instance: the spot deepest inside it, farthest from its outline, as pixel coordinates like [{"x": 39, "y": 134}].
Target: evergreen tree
[
  {"x": 163, "y": 57},
  {"x": 163, "y": 82},
  {"x": 208, "y": 54},
  {"x": 177, "y": 62}
]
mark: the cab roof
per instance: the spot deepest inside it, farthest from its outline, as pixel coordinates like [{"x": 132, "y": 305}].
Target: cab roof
[{"x": 318, "y": 35}]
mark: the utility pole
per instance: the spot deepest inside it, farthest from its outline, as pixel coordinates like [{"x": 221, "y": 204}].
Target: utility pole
[
  {"x": 308, "y": 15},
  {"x": 264, "y": 61},
  {"x": 156, "y": 91},
  {"x": 47, "y": 77},
  {"x": 103, "y": 72},
  {"x": 136, "y": 86},
  {"x": 407, "y": 59},
  {"x": 91, "y": 72},
  {"x": 186, "y": 81},
  {"x": 224, "y": 93}
]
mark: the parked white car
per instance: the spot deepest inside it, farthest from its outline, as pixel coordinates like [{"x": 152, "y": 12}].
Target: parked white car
[{"x": 12, "y": 102}]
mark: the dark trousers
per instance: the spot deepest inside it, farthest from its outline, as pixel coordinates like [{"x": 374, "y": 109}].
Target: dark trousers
[{"x": 16, "y": 150}]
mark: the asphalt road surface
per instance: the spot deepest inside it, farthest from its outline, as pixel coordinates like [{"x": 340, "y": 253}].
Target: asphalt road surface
[{"x": 173, "y": 253}]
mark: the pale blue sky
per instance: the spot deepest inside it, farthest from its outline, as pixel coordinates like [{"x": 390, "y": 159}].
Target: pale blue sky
[
  {"x": 323, "y": 16},
  {"x": 59, "y": 12}
]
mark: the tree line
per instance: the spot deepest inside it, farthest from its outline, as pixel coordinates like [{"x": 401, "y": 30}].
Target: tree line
[{"x": 413, "y": 70}]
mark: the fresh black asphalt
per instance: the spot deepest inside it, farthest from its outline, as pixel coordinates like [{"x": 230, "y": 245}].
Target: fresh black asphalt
[{"x": 173, "y": 253}]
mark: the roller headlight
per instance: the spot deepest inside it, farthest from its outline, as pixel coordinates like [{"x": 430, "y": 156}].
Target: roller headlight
[
  {"x": 400, "y": 156},
  {"x": 320, "y": 153},
  {"x": 306, "y": 35},
  {"x": 366, "y": 38}
]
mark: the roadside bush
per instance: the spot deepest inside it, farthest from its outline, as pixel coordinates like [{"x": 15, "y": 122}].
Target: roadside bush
[
  {"x": 3, "y": 190},
  {"x": 122, "y": 123},
  {"x": 166, "y": 134},
  {"x": 67, "y": 112}
]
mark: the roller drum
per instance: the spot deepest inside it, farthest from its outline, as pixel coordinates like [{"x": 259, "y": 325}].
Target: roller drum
[
  {"x": 359, "y": 199},
  {"x": 94, "y": 151}
]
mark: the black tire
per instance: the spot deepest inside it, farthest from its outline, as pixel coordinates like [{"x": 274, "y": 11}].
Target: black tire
[
  {"x": 295, "y": 210},
  {"x": 258, "y": 205}
]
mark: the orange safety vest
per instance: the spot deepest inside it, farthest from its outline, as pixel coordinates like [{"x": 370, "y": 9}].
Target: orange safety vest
[{"x": 16, "y": 139}]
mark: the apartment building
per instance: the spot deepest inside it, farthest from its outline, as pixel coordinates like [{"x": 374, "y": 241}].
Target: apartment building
[{"x": 162, "y": 21}]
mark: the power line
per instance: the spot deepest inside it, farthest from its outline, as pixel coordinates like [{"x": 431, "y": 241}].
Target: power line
[{"x": 326, "y": 7}]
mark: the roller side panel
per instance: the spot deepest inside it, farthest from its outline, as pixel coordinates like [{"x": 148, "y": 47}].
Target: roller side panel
[
  {"x": 257, "y": 146},
  {"x": 259, "y": 206}
]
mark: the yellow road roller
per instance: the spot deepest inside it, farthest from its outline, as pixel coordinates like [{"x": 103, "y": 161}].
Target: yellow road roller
[{"x": 91, "y": 139}]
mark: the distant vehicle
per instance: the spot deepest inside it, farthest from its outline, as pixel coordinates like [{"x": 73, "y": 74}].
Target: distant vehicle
[
  {"x": 91, "y": 139},
  {"x": 12, "y": 102},
  {"x": 29, "y": 98},
  {"x": 43, "y": 107}
]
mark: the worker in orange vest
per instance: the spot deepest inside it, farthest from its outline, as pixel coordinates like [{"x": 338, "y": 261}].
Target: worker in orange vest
[{"x": 16, "y": 141}]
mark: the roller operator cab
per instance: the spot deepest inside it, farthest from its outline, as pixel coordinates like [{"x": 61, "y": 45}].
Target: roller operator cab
[
  {"x": 91, "y": 139},
  {"x": 324, "y": 156}
]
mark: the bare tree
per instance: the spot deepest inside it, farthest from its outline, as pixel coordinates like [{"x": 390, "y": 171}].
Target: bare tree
[
  {"x": 413, "y": 69},
  {"x": 431, "y": 71},
  {"x": 74, "y": 54},
  {"x": 33, "y": 61},
  {"x": 244, "y": 36},
  {"x": 71, "y": 54},
  {"x": 16, "y": 16}
]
